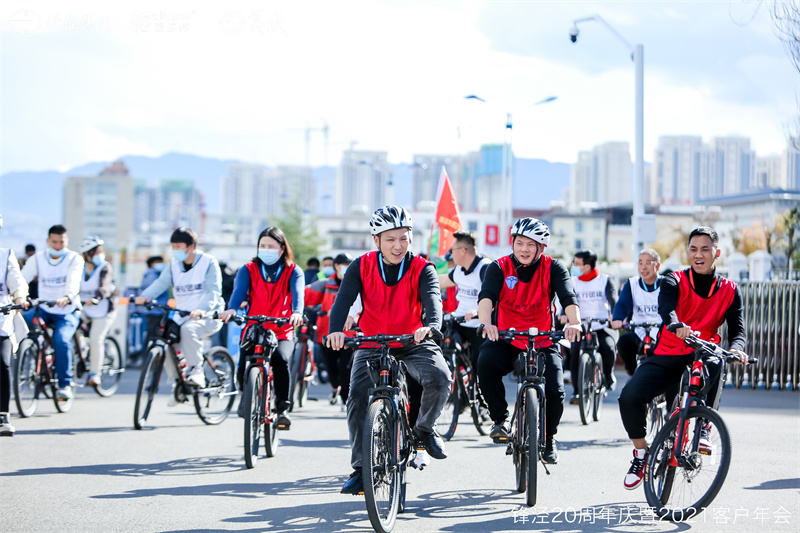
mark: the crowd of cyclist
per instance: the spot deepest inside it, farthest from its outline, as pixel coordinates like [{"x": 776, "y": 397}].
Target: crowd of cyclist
[{"x": 392, "y": 290}]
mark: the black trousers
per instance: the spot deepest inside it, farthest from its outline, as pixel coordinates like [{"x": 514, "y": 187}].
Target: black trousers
[
  {"x": 5, "y": 373},
  {"x": 606, "y": 348},
  {"x": 338, "y": 366},
  {"x": 497, "y": 359},
  {"x": 627, "y": 348},
  {"x": 279, "y": 361},
  {"x": 661, "y": 374}
]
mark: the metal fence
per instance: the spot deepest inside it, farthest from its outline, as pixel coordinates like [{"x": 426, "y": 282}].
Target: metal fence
[{"x": 772, "y": 322}]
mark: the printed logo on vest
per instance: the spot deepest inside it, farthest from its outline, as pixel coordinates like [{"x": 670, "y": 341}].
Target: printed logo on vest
[{"x": 511, "y": 282}]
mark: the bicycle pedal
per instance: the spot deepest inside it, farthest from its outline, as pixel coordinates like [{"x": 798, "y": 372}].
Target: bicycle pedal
[{"x": 501, "y": 440}]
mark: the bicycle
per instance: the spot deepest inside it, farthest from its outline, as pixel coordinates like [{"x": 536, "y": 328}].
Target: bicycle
[
  {"x": 111, "y": 368},
  {"x": 463, "y": 391},
  {"x": 212, "y": 402},
  {"x": 528, "y": 419},
  {"x": 678, "y": 465},
  {"x": 35, "y": 370},
  {"x": 258, "y": 391},
  {"x": 591, "y": 379},
  {"x": 303, "y": 368},
  {"x": 657, "y": 407},
  {"x": 389, "y": 444}
]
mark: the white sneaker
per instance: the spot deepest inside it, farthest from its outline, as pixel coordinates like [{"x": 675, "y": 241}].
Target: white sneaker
[
  {"x": 421, "y": 459},
  {"x": 6, "y": 429},
  {"x": 64, "y": 394},
  {"x": 636, "y": 472},
  {"x": 172, "y": 401},
  {"x": 196, "y": 377}
]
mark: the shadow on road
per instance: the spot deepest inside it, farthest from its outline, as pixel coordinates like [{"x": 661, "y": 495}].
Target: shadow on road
[
  {"x": 343, "y": 443},
  {"x": 777, "y": 484},
  {"x": 182, "y": 467}
]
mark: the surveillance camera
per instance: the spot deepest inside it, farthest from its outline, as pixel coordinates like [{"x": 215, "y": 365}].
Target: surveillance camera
[{"x": 573, "y": 34}]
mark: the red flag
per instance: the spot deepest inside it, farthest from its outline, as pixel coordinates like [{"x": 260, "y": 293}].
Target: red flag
[{"x": 447, "y": 217}]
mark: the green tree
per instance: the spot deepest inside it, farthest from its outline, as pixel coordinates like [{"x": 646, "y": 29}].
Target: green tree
[
  {"x": 791, "y": 222},
  {"x": 300, "y": 230}
]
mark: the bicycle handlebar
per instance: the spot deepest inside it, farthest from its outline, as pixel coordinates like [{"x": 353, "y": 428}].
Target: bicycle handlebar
[
  {"x": 181, "y": 312},
  {"x": 384, "y": 339},
  {"x": 39, "y": 303},
  {"x": 259, "y": 319},
  {"x": 8, "y": 308},
  {"x": 646, "y": 325},
  {"x": 707, "y": 346},
  {"x": 509, "y": 335}
]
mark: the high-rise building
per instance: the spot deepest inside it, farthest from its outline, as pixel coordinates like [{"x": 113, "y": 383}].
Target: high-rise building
[
  {"x": 768, "y": 173},
  {"x": 100, "y": 205},
  {"x": 250, "y": 189},
  {"x": 602, "y": 176},
  {"x": 581, "y": 184},
  {"x": 425, "y": 173},
  {"x": 726, "y": 167},
  {"x": 243, "y": 189},
  {"x": 676, "y": 164},
  {"x": 158, "y": 211},
  {"x": 790, "y": 168},
  {"x": 364, "y": 179}
]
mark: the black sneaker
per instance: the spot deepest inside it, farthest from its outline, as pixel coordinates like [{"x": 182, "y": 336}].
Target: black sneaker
[
  {"x": 500, "y": 431},
  {"x": 284, "y": 422},
  {"x": 355, "y": 484},
  {"x": 550, "y": 455},
  {"x": 433, "y": 443}
]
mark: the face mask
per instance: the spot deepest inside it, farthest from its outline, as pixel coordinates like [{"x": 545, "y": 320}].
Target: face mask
[
  {"x": 98, "y": 259},
  {"x": 56, "y": 253},
  {"x": 328, "y": 271},
  {"x": 158, "y": 267},
  {"x": 575, "y": 271},
  {"x": 180, "y": 255},
  {"x": 268, "y": 257}
]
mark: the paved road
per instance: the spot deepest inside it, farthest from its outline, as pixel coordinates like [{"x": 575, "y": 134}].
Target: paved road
[{"x": 88, "y": 470}]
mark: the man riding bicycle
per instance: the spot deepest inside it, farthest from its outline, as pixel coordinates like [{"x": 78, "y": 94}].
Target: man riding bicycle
[
  {"x": 519, "y": 289},
  {"x": 701, "y": 299},
  {"x": 59, "y": 271},
  {"x": 638, "y": 300},
  {"x": 400, "y": 295},
  {"x": 196, "y": 283}
]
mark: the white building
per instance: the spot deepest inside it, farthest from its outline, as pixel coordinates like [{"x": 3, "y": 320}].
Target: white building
[
  {"x": 251, "y": 189},
  {"x": 726, "y": 168},
  {"x": 425, "y": 173},
  {"x": 602, "y": 176},
  {"x": 160, "y": 210},
  {"x": 364, "y": 178},
  {"x": 676, "y": 165}
]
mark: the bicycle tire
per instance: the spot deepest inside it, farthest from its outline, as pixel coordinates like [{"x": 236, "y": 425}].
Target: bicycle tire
[
  {"x": 27, "y": 382},
  {"x": 381, "y": 479},
  {"x": 305, "y": 377},
  {"x": 62, "y": 406},
  {"x": 482, "y": 425},
  {"x": 532, "y": 440},
  {"x": 271, "y": 417},
  {"x": 520, "y": 457},
  {"x": 110, "y": 369},
  {"x": 585, "y": 392},
  {"x": 669, "y": 488},
  {"x": 148, "y": 385},
  {"x": 294, "y": 375},
  {"x": 253, "y": 412},
  {"x": 213, "y": 402},
  {"x": 599, "y": 387},
  {"x": 448, "y": 417},
  {"x": 655, "y": 418}
]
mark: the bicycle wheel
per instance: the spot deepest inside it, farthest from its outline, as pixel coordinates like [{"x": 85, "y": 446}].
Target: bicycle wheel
[
  {"x": 271, "y": 417},
  {"x": 27, "y": 381},
  {"x": 655, "y": 417},
  {"x": 448, "y": 418},
  {"x": 532, "y": 442},
  {"x": 62, "y": 405},
  {"x": 253, "y": 413},
  {"x": 148, "y": 384},
  {"x": 480, "y": 414},
  {"x": 677, "y": 492},
  {"x": 111, "y": 369},
  {"x": 380, "y": 466},
  {"x": 585, "y": 388},
  {"x": 295, "y": 376},
  {"x": 214, "y": 402},
  {"x": 304, "y": 376},
  {"x": 599, "y": 387},
  {"x": 520, "y": 454}
]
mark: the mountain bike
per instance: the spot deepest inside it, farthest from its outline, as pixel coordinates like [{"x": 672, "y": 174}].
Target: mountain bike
[
  {"x": 389, "y": 444},
  {"x": 303, "y": 368},
  {"x": 212, "y": 402},
  {"x": 591, "y": 379},
  {"x": 528, "y": 438},
  {"x": 258, "y": 392},
  {"x": 111, "y": 368},
  {"x": 657, "y": 407},
  {"x": 690, "y": 457},
  {"x": 464, "y": 391}
]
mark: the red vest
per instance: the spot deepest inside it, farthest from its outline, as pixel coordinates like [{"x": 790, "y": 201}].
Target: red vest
[
  {"x": 449, "y": 303},
  {"x": 526, "y": 305},
  {"x": 271, "y": 299},
  {"x": 328, "y": 297},
  {"x": 701, "y": 314},
  {"x": 394, "y": 310}
]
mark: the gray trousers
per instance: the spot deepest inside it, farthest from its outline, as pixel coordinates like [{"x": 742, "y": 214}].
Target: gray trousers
[{"x": 425, "y": 364}]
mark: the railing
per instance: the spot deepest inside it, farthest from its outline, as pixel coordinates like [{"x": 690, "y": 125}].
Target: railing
[{"x": 772, "y": 322}]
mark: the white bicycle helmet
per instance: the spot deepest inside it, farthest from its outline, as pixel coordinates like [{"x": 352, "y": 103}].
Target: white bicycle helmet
[
  {"x": 533, "y": 228},
  {"x": 89, "y": 243},
  {"x": 389, "y": 217}
]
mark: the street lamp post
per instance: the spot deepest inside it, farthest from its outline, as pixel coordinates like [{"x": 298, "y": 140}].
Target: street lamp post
[{"x": 637, "y": 187}]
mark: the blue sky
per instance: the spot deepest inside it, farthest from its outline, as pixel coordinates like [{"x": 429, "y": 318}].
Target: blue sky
[{"x": 84, "y": 81}]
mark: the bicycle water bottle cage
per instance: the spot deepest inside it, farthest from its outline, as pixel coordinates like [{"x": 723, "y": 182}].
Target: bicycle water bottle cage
[{"x": 172, "y": 331}]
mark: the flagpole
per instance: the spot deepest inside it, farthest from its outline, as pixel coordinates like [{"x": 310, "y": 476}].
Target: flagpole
[{"x": 430, "y": 239}]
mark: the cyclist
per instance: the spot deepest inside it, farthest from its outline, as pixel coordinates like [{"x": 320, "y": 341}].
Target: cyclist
[
  {"x": 59, "y": 270},
  {"x": 467, "y": 277},
  {"x": 638, "y": 300},
  {"x": 13, "y": 291},
  {"x": 98, "y": 306},
  {"x": 196, "y": 284},
  {"x": 597, "y": 294},
  {"x": 702, "y": 300},
  {"x": 328, "y": 268},
  {"x": 519, "y": 290},
  {"x": 273, "y": 285},
  {"x": 321, "y": 294},
  {"x": 400, "y": 295}
]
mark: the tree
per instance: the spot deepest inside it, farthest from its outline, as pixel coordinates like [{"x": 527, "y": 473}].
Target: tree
[
  {"x": 300, "y": 230},
  {"x": 791, "y": 221},
  {"x": 786, "y": 16}
]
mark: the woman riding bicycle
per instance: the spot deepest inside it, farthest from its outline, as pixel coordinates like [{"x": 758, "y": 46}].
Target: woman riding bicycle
[
  {"x": 98, "y": 307},
  {"x": 273, "y": 285}
]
